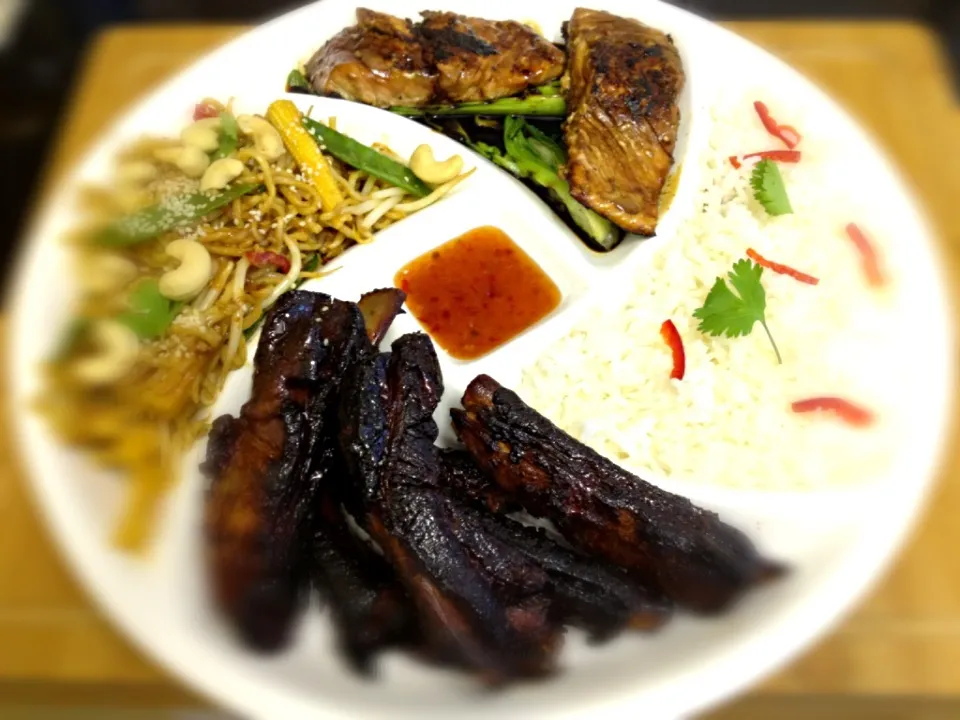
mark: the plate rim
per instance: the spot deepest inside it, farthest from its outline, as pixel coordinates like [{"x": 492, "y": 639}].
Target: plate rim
[{"x": 871, "y": 559}]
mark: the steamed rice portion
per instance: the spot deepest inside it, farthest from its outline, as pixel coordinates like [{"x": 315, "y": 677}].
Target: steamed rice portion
[{"x": 729, "y": 421}]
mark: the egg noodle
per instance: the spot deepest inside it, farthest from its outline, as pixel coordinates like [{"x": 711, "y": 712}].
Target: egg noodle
[{"x": 141, "y": 425}]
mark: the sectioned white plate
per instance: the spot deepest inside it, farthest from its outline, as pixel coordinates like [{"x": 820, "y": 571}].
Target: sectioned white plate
[{"x": 837, "y": 543}]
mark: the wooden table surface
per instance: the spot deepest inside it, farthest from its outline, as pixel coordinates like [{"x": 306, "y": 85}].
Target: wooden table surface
[{"x": 903, "y": 641}]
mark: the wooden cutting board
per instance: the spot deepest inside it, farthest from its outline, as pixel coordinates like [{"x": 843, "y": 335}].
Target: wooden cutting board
[{"x": 56, "y": 649}]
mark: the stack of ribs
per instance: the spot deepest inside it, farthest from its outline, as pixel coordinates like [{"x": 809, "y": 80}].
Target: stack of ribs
[{"x": 330, "y": 480}]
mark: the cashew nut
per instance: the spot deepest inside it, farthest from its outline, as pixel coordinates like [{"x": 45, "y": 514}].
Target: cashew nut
[
  {"x": 191, "y": 276},
  {"x": 117, "y": 349},
  {"x": 136, "y": 172},
  {"x": 428, "y": 169},
  {"x": 265, "y": 136},
  {"x": 106, "y": 272},
  {"x": 192, "y": 161},
  {"x": 202, "y": 134},
  {"x": 220, "y": 174}
]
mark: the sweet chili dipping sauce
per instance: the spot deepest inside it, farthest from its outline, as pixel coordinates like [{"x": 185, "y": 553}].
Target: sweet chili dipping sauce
[{"x": 476, "y": 292}]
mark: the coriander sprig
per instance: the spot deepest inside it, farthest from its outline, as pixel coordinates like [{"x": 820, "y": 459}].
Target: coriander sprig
[
  {"x": 734, "y": 314},
  {"x": 768, "y": 188}
]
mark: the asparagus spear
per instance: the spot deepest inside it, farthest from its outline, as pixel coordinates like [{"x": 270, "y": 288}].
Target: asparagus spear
[
  {"x": 537, "y": 105},
  {"x": 535, "y": 157}
]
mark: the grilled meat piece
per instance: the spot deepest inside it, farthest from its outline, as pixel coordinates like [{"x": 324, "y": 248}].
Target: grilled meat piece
[
  {"x": 386, "y": 61},
  {"x": 479, "y": 60},
  {"x": 370, "y": 608},
  {"x": 465, "y": 480},
  {"x": 623, "y": 81},
  {"x": 379, "y": 309},
  {"x": 587, "y": 593},
  {"x": 379, "y": 61},
  {"x": 258, "y": 509},
  {"x": 601, "y": 599},
  {"x": 481, "y": 606},
  {"x": 687, "y": 553}
]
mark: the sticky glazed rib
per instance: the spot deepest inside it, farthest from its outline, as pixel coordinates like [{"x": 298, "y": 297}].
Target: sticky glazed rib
[
  {"x": 388, "y": 61},
  {"x": 623, "y": 81},
  {"x": 481, "y": 605},
  {"x": 585, "y": 592},
  {"x": 370, "y": 608},
  {"x": 478, "y": 60},
  {"x": 688, "y": 553},
  {"x": 379, "y": 61},
  {"x": 258, "y": 509},
  {"x": 465, "y": 480}
]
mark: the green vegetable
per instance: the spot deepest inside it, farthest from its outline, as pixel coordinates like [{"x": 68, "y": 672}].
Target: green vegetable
[
  {"x": 309, "y": 266},
  {"x": 362, "y": 157},
  {"x": 539, "y": 157},
  {"x": 169, "y": 214},
  {"x": 551, "y": 89},
  {"x": 734, "y": 314},
  {"x": 535, "y": 105},
  {"x": 229, "y": 136},
  {"x": 150, "y": 313},
  {"x": 491, "y": 153},
  {"x": 768, "y": 188},
  {"x": 296, "y": 80}
]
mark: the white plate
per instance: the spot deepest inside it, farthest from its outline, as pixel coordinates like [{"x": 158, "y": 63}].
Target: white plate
[{"x": 838, "y": 543}]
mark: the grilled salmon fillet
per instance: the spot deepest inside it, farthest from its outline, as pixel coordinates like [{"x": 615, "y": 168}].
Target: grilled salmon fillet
[
  {"x": 379, "y": 61},
  {"x": 623, "y": 79},
  {"x": 479, "y": 60},
  {"x": 387, "y": 61}
]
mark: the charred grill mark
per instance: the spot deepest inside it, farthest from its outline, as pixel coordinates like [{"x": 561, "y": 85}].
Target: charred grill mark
[{"x": 447, "y": 40}]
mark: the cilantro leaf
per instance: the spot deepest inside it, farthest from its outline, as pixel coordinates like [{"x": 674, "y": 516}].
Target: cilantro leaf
[
  {"x": 150, "y": 313},
  {"x": 768, "y": 188},
  {"x": 734, "y": 314}
]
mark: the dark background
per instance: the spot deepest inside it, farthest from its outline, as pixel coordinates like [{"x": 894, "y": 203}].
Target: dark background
[{"x": 39, "y": 63}]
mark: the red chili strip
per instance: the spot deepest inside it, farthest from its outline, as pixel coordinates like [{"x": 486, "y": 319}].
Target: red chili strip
[
  {"x": 782, "y": 269},
  {"x": 784, "y": 156},
  {"x": 868, "y": 255},
  {"x": 204, "y": 110},
  {"x": 668, "y": 331},
  {"x": 789, "y": 135},
  {"x": 266, "y": 258},
  {"x": 844, "y": 409}
]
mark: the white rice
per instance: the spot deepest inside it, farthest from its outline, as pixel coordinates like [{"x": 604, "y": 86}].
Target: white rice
[{"x": 729, "y": 420}]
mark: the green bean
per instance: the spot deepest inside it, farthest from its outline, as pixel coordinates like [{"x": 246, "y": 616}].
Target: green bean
[
  {"x": 169, "y": 214},
  {"x": 359, "y": 156}
]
